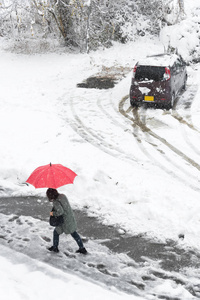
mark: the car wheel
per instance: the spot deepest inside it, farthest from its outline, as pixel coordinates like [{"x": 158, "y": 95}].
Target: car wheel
[
  {"x": 170, "y": 105},
  {"x": 133, "y": 104}
]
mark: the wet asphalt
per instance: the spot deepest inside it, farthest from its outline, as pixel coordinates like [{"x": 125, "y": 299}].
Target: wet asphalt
[{"x": 169, "y": 254}]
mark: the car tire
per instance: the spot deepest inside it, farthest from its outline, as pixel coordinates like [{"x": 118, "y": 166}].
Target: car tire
[
  {"x": 133, "y": 104},
  {"x": 173, "y": 100},
  {"x": 171, "y": 103}
]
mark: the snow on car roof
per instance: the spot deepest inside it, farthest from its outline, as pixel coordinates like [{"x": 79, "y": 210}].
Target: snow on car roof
[{"x": 160, "y": 60}]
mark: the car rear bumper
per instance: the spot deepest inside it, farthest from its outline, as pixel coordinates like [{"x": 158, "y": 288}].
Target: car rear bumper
[
  {"x": 153, "y": 99},
  {"x": 137, "y": 101}
]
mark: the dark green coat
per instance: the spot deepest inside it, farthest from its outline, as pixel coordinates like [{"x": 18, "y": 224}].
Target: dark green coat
[{"x": 61, "y": 206}]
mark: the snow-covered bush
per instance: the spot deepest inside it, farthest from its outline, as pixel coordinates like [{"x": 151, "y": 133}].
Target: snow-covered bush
[{"x": 184, "y": 37}]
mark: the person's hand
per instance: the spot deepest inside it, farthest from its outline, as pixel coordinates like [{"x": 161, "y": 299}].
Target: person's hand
[{"x": 51, "y": 213}]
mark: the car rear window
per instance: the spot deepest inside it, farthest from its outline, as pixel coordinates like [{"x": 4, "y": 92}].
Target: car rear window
[{"x": 149, "y": 73}]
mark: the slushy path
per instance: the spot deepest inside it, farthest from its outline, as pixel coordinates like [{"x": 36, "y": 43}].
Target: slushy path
[{"x": 137, "y": 247}]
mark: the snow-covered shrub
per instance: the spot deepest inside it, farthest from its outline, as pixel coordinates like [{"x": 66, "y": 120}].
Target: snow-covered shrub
[{"x": 184, "y": 37}]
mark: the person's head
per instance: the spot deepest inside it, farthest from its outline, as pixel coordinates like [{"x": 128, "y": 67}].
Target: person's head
[{"x": 52, "y": 194}]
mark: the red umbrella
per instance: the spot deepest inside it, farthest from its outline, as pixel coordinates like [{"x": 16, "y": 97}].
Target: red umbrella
[{"x": 51, "y": 176}]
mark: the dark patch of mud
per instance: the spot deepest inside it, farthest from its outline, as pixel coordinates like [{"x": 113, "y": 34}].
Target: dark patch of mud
[
  {"x": 106, "y": 79},
  {"x": 97, "y": 83}
]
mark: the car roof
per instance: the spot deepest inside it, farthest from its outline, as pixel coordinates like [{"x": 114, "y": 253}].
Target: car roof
[{"x": 159, "y": 60}]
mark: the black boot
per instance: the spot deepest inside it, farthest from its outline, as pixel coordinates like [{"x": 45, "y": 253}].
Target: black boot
[
  {"x": 82, "y": 251},
  {"x": 54, "y": 249}
]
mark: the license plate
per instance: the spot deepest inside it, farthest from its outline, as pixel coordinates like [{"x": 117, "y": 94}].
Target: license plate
[{"x": 149, "y": 98}]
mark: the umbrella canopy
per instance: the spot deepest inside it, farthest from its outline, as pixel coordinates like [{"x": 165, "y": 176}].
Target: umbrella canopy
[{"x": 51, "y": 176}]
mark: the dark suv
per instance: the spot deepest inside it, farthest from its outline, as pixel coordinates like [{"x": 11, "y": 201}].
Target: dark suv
[{"x": 157, "y": 80}]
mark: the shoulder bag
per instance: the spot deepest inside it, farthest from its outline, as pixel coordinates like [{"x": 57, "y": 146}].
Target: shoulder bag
[{"x": 56, "y": 221}]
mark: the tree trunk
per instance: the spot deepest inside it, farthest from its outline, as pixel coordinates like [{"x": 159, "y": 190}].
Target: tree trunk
[
  {"x": 88, "y": 29},
  {"x": 181, "y": 6}
]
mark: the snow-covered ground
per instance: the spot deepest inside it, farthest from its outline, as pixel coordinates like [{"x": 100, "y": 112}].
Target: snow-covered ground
[
  {"x": 143, "y": 182},
  {"x": 23, "y": 278}
]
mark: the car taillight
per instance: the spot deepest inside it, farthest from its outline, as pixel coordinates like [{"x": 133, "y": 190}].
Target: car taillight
[
  {"x": 134, "y": 71},
  {"x": 167, "y": 74}
]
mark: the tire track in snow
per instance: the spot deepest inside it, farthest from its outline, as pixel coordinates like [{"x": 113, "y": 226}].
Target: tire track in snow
[
  {"x": 139, "y": 139},
  {"x": 185, "y": 133},
  {"x": 93, "y": 138},
  {"x": 137, "y": 123},
  {"x": 185, "y": 103}
]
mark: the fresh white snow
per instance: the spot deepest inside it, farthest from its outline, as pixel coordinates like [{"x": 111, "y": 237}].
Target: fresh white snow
[
  {"x": 159, "y": 60},
  {"x": 143, "y": 183}
]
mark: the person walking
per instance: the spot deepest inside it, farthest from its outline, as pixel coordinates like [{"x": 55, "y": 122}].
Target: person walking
[{"x": 62, "y": 207}]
